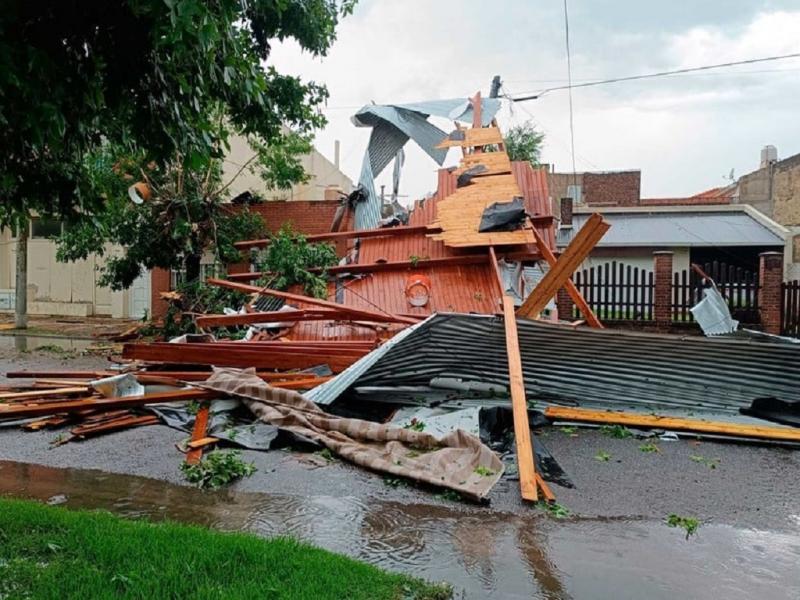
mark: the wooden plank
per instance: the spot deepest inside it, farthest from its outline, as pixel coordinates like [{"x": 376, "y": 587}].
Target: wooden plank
[
  {"x": 114, "y": 425},
  {"x": 519, "y": 406},
  {"x": 35, "y": 410},
  {"x": 585, "y": 415},
  {"x": 201, "y": 354},
  {"x": 64, "y": 391},
  {"x": 576, "y": 252},
  {"x": 199, "y": 431},
  {"x": 475, "y": 136},
  {"x": 548, "y": 494},
  {"x": 362, "y": 314},
  {"x": 202, "y": 443},
  {"x": 343, "y": 235},
  {"x": 572, "y": 289},
  {"x": 496, "y": 270}
]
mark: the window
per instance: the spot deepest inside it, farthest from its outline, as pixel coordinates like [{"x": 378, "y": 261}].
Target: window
[{"x": 45, "y": 228}]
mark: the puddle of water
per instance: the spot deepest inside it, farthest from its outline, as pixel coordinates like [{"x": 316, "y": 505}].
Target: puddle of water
[
  {"x": 28, "y": 343},
  {"x": 482, "y": 553}
]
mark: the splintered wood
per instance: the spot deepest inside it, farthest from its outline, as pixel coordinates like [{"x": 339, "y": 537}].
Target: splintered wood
[
  {"x": 560, "y": 272},
  {"x": 459, "y": 214},
  {"x": 477, "y": 136}
]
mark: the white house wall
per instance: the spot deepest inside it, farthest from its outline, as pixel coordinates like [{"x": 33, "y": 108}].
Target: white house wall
[{"x": 636, "y": 257}]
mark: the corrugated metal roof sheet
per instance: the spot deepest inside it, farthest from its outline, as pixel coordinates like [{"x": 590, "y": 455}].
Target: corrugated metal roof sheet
[
  {"x": 637, "y": 229},
  {"x": 588, "y": 367}
]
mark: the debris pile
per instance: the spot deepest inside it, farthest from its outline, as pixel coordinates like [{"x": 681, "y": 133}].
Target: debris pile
[{"x": 433, "y": 312}]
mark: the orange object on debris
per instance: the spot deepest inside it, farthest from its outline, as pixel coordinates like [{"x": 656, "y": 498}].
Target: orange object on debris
[{"x": 418, "y": 290}]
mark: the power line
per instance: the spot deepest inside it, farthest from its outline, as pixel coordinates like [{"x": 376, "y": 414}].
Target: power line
[
  {"x": 595, "y": 79},
  {"x": 658, "y": 74},
  {"x": 569, "y": 79}
]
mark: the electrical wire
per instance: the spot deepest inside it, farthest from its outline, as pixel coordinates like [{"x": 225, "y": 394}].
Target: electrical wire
[{"x": 570, "y": 86}]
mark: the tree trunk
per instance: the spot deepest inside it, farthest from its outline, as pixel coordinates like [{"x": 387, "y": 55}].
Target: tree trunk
[
  {"x": 21, "y": 285},
  {"x": 192, "y": 264}
]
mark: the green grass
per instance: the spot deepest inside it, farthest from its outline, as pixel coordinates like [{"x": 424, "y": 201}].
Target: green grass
[{"x": 54, "y": 553}]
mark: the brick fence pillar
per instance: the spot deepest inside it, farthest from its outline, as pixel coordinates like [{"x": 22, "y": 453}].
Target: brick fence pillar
[
  {"x": 159, "y": 282},
  {"x": 564, "y": 304},
  {"x": 662, "y": 295},
  {"x": 770, "y": 295}
]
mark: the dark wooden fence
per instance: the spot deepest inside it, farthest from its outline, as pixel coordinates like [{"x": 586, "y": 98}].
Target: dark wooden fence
[
  {"x": 737, "y": 285},
  {"x": 790, "y": 311},
  {"x": 617, "y": 292}
]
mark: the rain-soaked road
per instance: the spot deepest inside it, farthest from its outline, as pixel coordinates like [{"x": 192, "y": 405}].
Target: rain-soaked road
[{"x": 484, "y": 553}]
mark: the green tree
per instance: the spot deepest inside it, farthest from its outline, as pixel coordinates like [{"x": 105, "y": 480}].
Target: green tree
[
  {"x": 149, "y": 74},
  {"x": 524, "y": 142}
]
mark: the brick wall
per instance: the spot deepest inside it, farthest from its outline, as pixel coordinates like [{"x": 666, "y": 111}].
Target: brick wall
[
  {"x": 612, "y": 189},
  {"x": 662, "y": 295},
  {"x": 770, "y": 295},
  {"x": 305, "y": 216}
]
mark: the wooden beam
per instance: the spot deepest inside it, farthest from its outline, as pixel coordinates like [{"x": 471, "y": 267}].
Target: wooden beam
[
  {"x": 496, "y": 270},
  {"x": 548, "y": 494},
  {"x": 519, "y": 405},
  {"x": 572, "y": 289},
  {"x": 35, "y": 410},
  {"x": 199, "y": 432},
  {"x": 738, "y": 430},
  {"x": 576, "y": 252},
  {"x": 241, "y": 357},
  {"x": 358, "y": 313},
  {"x": 343, "y": 235},
  {"x": 67, "y": 391}
]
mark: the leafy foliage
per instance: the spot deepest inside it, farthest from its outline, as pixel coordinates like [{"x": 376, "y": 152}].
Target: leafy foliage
[
  {"x": 288, "y": 259},
  {"x": 217, "y": 469},
  {"x": 616, "y": 431},
  {"x": 524, "y": 142},
  {"x": 559, "y": 511},
  {"x": 153, "y": 74},
  {"x": 191, "y": 298},
  {"x": 602, "y": 456},
  {"x": 170, "y": 230},
  {"x": 688, "y": 524}
]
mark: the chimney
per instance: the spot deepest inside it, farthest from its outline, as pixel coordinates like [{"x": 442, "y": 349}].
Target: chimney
[
  {"x": 566, "y": 213},
  {"x": 769, "y": 155},
  {"x": 336, "y": 148}
]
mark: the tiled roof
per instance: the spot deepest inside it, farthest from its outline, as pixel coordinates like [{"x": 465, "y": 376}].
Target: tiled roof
[{"x": 718, "y": 195}]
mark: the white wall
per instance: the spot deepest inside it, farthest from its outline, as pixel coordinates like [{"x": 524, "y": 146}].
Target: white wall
[
  {"x": 321, "y": 171},
  {"x": 59, "y": 288},
  {"x": 636, "y": 257}
]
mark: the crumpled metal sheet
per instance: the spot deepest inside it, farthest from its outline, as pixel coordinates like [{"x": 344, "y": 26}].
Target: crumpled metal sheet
[
  {"x": 582, "y": 366},
  {"x": 392, "y": 126},
  {"x": 713, "y": 315}
]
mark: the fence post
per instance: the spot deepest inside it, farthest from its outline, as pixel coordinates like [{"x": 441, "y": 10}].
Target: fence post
[
  {"x": 662, "y": 294},
  {"x": 564, "y": 304},
  {"x": 770, "y": 297}
]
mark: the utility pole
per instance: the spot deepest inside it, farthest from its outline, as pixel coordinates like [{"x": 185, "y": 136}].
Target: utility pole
[
  {"x": 21, "y": 283},
  {"x": 494, "y": 90}
]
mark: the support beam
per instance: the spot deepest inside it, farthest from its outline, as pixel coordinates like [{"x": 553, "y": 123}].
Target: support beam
[
  {"x": 577, "y": 251},
  {"x": 21, "y": 410},
  {"x": 519, "y": 405},
  {"x": 344, "y": 235},
  {"x": 571, "y": 288},
  {"x": 357, "y": 313},
  {"x": 738, "y": 430}
]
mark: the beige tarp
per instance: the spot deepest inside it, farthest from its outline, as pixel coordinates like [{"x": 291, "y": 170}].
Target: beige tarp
[{"x": 458, "y": 461}]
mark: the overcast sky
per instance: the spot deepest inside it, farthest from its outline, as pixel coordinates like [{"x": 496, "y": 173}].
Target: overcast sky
[{"x": 684, "y": 132}]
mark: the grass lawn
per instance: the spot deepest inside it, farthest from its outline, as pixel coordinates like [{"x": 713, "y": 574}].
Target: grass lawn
[{"x": 48, "y": 552}]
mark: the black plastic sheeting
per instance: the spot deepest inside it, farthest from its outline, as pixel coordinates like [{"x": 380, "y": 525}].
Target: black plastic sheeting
[
  {"x": 503, "y": 216},
  {"x": 786, "y": 412},
  {"x": 466, "y": 177},
  {"x": 497, "y": 432}
]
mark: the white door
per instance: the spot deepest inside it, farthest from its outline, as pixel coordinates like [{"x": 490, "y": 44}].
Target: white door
[{"x": 139, "y": 304}]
